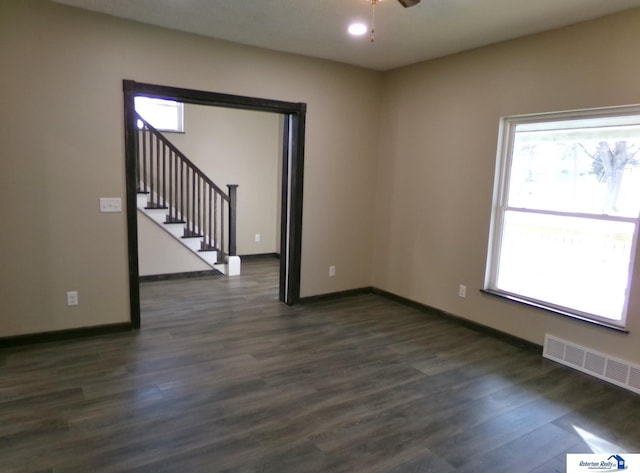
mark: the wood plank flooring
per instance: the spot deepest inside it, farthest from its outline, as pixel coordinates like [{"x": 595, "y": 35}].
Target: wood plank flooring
[{"x": 224, "y": 378}]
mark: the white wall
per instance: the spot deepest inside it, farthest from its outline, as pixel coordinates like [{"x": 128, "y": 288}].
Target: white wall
[{"x": 62, "y": 148}]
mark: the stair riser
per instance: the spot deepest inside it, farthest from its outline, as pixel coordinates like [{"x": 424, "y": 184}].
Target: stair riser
[
  {"x": 156, "y": 215},
  {"x": 193, "y": 244},
  {"x": 177, "y": 231},
  {"x": 142, "y": 201},
  {"x": 210, "y": 257}
]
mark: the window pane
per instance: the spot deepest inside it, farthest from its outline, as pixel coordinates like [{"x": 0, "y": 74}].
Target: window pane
[
  {"x": 576, "y": 263},
  {"x": 594, "y": 169},
  {"x": 164, "y": 115}
]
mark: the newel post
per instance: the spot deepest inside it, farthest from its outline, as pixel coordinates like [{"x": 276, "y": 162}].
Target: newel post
[{"x": 233, "y": 190}]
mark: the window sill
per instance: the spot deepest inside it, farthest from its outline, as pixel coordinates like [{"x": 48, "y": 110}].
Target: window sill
[
  {"x": 174, "y": 132},
  {"x": 551, "y": 310}
]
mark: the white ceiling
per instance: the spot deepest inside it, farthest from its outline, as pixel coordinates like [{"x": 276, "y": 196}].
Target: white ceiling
[{"x": 317, "y": 28}]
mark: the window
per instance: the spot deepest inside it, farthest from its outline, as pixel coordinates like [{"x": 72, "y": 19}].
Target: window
[
  {"x": 163, "y": 115},
  {"x": 565, "y": 215}
]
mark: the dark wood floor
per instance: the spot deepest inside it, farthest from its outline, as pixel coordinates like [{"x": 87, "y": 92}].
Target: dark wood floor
[{"x": 223, "y": 378}]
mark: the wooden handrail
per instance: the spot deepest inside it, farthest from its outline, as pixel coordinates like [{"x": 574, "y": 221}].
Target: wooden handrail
[
  {"x": 173, "y": 148},
  {"x": 175, "y": 183}
]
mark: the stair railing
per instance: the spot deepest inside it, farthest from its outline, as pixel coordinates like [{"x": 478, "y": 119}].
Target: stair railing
[{"x": 174, "y": 183}]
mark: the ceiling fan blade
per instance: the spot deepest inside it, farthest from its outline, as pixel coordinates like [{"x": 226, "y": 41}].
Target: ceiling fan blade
[{"x": 408, "y": 3}]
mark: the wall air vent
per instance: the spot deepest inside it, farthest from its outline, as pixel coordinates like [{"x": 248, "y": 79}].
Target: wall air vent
[
  {"x": 611, "y": 369},
  {"x": 634, "y": 378}
]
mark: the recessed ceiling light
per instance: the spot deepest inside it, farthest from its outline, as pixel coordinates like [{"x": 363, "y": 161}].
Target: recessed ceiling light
[{"x": 357, "y": 29}]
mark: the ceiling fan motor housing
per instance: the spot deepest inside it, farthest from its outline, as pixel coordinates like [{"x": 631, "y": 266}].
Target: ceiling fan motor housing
[{"x": 408, "y": 3}]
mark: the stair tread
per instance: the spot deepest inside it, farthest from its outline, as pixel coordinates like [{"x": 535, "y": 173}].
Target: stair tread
[
  {"x": 189, "y": 234},
  {"x": 160, "y": 205},
  {"x": 211, "y": 248}
]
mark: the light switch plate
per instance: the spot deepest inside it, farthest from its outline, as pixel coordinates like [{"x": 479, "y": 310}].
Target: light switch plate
[
  {"x": 110, "y": 204},
  {"x": 72, "y": 298}
]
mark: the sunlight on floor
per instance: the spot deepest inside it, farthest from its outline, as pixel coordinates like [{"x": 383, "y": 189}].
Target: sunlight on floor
[{"x": 595, "y": 443}]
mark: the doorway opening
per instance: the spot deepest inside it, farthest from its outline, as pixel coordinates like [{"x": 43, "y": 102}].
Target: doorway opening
[{"x": 292, "y": 177}]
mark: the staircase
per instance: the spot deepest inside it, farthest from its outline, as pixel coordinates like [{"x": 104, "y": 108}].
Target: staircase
[{"x": 184, "y": 202}]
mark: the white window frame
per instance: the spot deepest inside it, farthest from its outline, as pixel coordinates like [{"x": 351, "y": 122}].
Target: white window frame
[
  {"x": 178, "y": 108},
  {"x": 506, "y": 140}
]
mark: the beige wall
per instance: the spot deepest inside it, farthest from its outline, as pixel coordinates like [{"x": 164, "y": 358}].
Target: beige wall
[
  {"x": 231, "y": 147},
  {"x": 438, "y": 140},
  {"x": 161, "y": 253},
  {"x": 397, "y": 194},
  {"x": 62, "y": 147},
  {"x": 239, "y": 147}
]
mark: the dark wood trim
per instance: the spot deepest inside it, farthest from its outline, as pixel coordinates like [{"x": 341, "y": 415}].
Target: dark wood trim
[
  {"x": 260, "y": 256},
  {"x": 551, "y": 310},
  {"x": 130, "y": 143},
  {"x": 61, "y": 335},
  {"x": 185, "y": 275},
  {"x": 201, "y": 97},
  {"x": 233, "y": 204},
  {"x": 284, "y": 207},
  {"x": 295, "y": 205},
  {"x": 336, "y": 295},
  {"x": 506, "y": 337},
  {"x": 296, "y": 112}
]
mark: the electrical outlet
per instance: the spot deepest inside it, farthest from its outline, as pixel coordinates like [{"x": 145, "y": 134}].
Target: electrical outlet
[
  {"x": 72, "y": 298},
  {"x": 462, "y": 291},
  {"x": 332, "y": 271},
  {"x": 110, "y": 204},
  {"x": 257, "y": 237}
]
